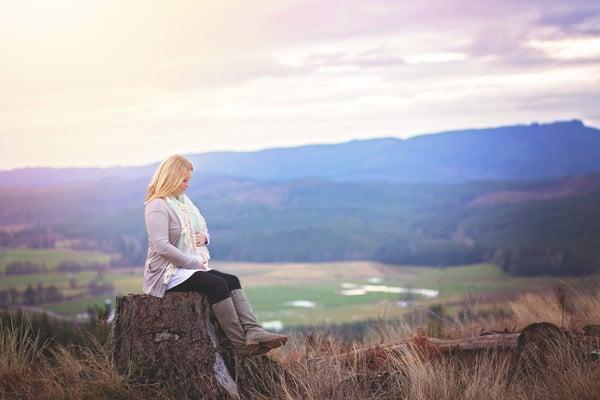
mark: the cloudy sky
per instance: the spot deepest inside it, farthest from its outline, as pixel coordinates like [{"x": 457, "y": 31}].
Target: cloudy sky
[{"x": 99, "y": 82}]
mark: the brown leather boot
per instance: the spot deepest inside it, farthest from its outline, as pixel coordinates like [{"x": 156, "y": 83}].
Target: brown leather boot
[{"x": 258, "y": 340}]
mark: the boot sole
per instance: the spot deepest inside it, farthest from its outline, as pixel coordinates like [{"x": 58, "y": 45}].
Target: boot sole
[{"x": 253, "y": 348}]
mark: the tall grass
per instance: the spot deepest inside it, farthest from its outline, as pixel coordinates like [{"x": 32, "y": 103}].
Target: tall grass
[
  {"x": 317, "y": 364},
  {"x": 408, "y": 373},
  {"x": 564, "y": 307},
  {"x": 31, "y": 369}
]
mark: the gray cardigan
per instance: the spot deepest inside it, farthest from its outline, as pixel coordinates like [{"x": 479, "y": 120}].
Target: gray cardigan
[{"x": 163, "y": 228}]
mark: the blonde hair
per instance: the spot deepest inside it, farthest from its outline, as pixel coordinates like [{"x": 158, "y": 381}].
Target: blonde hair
[{"x": 168, "y": 176}]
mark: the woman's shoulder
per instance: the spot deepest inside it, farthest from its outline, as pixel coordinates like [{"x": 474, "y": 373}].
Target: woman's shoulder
[{"x": 157, "y": 203}]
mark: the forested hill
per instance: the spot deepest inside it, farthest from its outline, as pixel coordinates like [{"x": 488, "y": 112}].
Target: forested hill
[
  {"x": 519, "y": 152},
  {"x": 541, "y": 227},
  {"x": 525, "y": 197}
]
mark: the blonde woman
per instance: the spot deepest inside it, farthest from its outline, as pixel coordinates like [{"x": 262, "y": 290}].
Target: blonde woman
[{"x": 178, "y": 259}]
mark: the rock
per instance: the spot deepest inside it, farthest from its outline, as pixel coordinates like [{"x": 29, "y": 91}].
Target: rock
[
  {"x": 173, "y": 341},
  {"x": 539, "y": 343}
]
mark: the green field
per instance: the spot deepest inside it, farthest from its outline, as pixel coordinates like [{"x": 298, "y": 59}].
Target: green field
[
  {"x": 271, "y": 286},
  {"x": 478, "y": 278},
  {"x": 58, "y": 279},
  {"x": 74, "y": 307},
  {"x": 482, "y": 281},
  {"x": 51, "y": 257}
]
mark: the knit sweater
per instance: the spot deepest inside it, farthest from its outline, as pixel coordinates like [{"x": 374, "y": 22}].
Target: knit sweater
[{"x": 163, "y": 229}]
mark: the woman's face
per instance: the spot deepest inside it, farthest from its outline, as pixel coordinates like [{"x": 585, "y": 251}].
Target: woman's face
[{"x": 184, "y": 185}]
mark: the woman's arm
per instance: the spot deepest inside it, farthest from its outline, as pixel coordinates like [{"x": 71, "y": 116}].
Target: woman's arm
[{"x": 157, "y": 227}]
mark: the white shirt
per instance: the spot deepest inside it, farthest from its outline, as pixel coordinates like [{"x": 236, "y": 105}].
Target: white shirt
[{"x": 181, "y": 274}]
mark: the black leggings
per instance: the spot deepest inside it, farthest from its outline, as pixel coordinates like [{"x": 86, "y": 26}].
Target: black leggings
[{"x": 215, "y": 284}]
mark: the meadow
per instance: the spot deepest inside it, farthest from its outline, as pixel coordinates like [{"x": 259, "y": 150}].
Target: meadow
[
  {"x": 32, "y": 369},
  {"x": 50, "y": 257},
  {"x": 293, "y": 294}
]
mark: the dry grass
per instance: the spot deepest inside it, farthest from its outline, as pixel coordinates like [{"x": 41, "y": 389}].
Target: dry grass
[
  {"x": 313, "y": 365},
  {"x": 408, "y": 373},
  {"x": 564, "y": 307},
  {"x": 31, "y": 370}
]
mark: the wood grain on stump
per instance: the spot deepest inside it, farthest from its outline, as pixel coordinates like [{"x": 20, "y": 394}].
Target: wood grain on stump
[{"x": 173, "y": 341}]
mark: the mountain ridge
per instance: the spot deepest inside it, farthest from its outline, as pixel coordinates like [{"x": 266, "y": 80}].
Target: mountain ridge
[{"x": 514, "y": 152}]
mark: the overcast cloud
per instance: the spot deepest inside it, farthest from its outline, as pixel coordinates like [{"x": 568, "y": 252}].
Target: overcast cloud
[{"x": 98, "y": 83}]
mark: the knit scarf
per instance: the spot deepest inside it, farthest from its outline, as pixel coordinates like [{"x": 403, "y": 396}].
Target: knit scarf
[{"x": 191, "y": 222}]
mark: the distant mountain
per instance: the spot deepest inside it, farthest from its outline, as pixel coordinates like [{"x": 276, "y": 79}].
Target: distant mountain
[
  {"x": 515, "y": 153},
  {"x": 521, "y": 152},
  {"x": 51, "y": 177}
]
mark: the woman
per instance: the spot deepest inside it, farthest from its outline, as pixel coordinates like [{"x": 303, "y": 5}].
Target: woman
[{"x": 178, "y": 257}]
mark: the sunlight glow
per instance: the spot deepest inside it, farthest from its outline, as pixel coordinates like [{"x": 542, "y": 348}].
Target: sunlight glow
[
  {"x": 434, "y": 58},
  {"x": 569, "y": 49}
]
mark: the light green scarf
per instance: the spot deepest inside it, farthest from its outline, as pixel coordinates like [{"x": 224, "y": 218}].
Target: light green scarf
[{"x": 191, "y": 222}]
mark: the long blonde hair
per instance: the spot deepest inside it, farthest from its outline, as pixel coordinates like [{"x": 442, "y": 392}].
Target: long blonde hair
[{"x": 168, "y": 176}]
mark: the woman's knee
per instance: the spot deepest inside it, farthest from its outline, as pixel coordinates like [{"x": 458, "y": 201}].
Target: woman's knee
[
  {"x": 233, "y": 281},
  {"x": 218, "y": 290}
]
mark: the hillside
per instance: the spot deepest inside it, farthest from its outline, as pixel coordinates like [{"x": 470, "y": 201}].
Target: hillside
[
  {"x": 318, "y": 220},
  {"x": 524, "y": 197}
]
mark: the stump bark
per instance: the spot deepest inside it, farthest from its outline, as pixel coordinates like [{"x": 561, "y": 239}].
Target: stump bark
[{"x": 173, "y": 341}]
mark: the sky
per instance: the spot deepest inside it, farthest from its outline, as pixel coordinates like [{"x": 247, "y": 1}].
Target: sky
[{"x": 107, "y": 83}]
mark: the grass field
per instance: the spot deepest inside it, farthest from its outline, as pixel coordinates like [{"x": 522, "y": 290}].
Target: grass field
[
  {"x": 74, "y": 307},
  {"x": 321, "y": 284},
  {"x": 318, "y": 286},
  {"x": 50, "y": 257}
]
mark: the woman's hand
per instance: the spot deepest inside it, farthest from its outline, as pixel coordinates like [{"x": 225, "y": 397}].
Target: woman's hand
[
  {"x": 201, "y": 239},
  {"x": 203, "y": 264}
]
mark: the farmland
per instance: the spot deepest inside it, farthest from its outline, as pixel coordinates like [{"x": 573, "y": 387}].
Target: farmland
[{"x": 291, "y": 293}]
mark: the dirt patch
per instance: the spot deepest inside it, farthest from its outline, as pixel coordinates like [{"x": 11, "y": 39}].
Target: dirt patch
[{"x": 254, "y": 274}]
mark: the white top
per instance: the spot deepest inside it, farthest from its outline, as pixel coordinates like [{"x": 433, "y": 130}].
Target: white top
[{"x": 181, "y": 274}]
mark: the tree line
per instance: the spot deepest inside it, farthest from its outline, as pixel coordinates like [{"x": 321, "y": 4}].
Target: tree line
[{"x": 29, "y": 267}]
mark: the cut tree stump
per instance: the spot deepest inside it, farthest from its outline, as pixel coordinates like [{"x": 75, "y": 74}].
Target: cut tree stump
[{"x": 173, "y": 341}]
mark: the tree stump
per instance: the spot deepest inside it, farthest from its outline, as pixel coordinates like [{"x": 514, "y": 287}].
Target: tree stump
[{"x": 173, "y": 341}]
